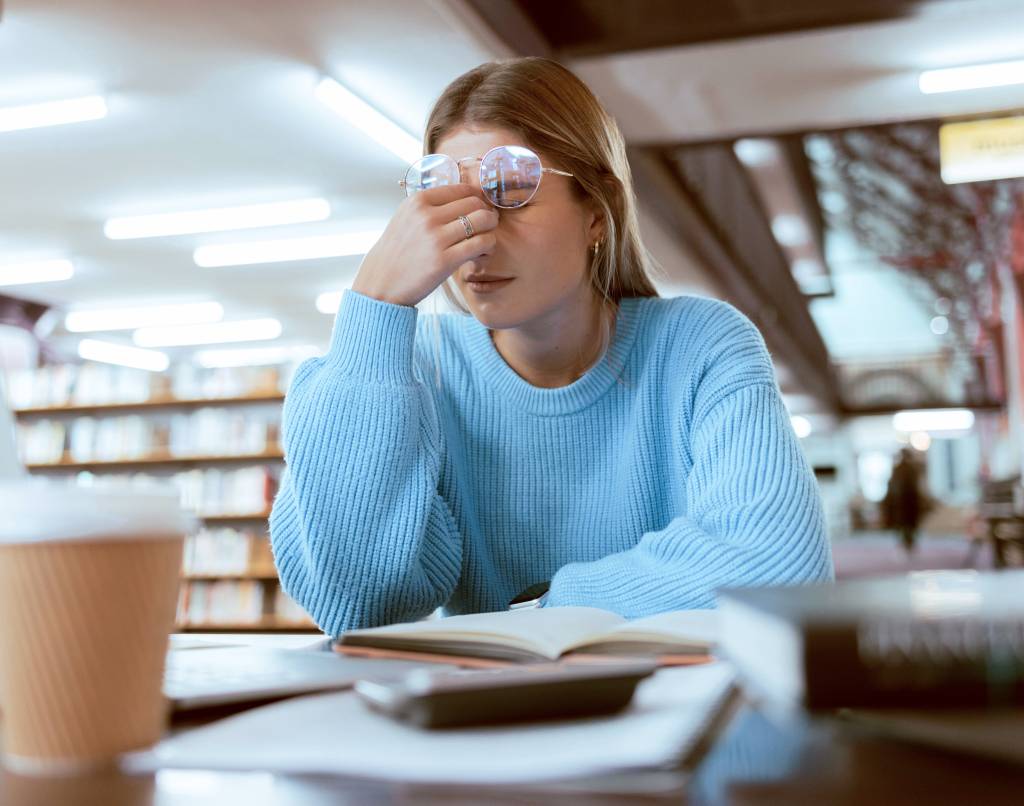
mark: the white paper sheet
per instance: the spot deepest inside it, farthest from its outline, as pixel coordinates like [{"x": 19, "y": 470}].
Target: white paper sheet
[{"x": 336, "y": 734}]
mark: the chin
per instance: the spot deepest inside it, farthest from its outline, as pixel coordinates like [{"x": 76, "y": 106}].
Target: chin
[
  {"x": 497, "y": 316},
  {"x": 495, "y": 320}
]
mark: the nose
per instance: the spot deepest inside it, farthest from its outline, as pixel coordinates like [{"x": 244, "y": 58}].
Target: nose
[{"x": 469, "y": 173}]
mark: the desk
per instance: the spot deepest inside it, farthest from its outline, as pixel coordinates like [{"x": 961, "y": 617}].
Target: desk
[{"x": 756, "y": 760}]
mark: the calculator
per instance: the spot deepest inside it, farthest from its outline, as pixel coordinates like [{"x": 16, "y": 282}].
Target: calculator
[{"x": 531, "y": 692}]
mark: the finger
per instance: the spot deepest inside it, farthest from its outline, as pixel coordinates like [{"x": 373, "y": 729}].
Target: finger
[
  {"x": 480, "y": 221},
  {"x": 464, "y": 206},
  {"x": 445, "y": 194},
  {"x": 464, "y": 250}
]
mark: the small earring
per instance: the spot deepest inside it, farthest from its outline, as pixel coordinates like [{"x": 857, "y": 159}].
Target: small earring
[{"x": 597, "y": 246}]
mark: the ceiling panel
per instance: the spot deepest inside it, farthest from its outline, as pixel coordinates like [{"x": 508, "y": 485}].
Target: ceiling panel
[{"x": 576, "y": 28}]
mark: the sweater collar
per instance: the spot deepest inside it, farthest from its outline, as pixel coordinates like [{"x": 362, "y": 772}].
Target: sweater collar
[{"x": 509, "y": 386}]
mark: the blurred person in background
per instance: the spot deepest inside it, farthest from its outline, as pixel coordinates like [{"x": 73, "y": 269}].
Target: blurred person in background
[{"x": 905, "y": 503}]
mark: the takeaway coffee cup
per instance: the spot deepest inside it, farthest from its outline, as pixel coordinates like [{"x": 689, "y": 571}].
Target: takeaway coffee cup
[{"x": 88, "y": 591}]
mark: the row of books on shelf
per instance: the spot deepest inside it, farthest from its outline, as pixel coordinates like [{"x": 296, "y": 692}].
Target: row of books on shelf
[
  {"x": 237, "y": 602},
  {"x": 211, "y": 491},
  {"x": 203, "y": 432},
  {"x": 90, "y": 384},
  {"x": 229, "y": 552}
]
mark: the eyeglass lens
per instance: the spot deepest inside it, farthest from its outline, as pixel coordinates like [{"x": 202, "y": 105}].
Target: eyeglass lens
[{"x": 509, "y": 175}]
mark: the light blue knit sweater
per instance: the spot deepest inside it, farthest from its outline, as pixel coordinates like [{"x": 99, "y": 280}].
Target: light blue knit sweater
[{"x": 668, "y": 470}]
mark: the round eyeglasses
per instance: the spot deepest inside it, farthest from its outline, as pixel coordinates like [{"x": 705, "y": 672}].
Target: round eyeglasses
[{"x": 509, "y": 175}]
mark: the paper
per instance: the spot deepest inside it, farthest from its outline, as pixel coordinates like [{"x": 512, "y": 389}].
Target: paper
[
  {"x": 258, "y": 640},
  {"x": 544, "y": 631},
  {"x": 337, "y": 734},
  {"x": 698, "y": 626}
]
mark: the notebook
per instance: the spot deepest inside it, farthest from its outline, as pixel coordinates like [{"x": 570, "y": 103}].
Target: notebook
[{"x": 546, "y": 633}]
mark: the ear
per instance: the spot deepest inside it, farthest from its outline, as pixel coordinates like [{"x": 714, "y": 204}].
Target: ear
[{"x": 595, "y": 221}]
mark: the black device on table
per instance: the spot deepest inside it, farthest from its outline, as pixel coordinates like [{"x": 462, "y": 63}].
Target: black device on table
[{"x": 510, "y": 694}]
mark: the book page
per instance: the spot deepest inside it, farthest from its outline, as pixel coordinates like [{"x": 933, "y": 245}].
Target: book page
[
  {"x": 336, "y": 734},
  {"x": 675, "y": 631},
  {"x": 544, "y": 631}
]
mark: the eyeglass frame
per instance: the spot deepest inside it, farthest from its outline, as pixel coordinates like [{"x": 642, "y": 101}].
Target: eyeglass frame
[{"x": 403, "y": 184}]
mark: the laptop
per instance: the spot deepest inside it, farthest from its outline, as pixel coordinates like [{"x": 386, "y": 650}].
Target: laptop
[{"x": 198, "y": 676}]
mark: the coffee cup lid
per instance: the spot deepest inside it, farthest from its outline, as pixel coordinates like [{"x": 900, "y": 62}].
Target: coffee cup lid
[{"x": 38, "y": 510}]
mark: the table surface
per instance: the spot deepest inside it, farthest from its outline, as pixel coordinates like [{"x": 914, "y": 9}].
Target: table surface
[{"x": 756, "y": 759}]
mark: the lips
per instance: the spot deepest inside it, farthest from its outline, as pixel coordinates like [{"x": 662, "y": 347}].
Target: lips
[{"x": 485, "y": 278}]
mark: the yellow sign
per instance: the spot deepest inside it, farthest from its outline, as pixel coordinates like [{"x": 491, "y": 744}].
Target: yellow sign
[{"x": 980, "y": 150}]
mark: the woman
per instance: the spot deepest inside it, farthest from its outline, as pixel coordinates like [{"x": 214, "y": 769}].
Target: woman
[{"x": 574, "y": 427}]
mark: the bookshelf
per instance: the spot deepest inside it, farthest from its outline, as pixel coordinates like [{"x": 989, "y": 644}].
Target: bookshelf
[
  {"x": 213, "y": 433},
  {"x": 160, "y": 402},
  {"x": 67, "y": 462}
]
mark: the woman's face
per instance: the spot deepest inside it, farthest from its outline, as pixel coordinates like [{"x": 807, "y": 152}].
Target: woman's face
[{"x": 544, "y": 246}]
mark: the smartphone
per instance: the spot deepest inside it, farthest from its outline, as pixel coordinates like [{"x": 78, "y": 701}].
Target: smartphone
[{"x": 533, "y": 692}]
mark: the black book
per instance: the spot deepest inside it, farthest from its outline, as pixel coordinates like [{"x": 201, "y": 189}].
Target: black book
[{"x": 934, "y": 639}]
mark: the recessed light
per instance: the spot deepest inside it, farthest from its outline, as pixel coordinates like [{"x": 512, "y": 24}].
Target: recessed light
[
  {"x": 933, "y": 420},
  {"x": 123, "y": 355},
  {"x": 52, "y": 113},
  {"x": 297, "y": 211},
  {"x": 801, "y": 425},
  {"x": 789, "y": 229},
  {"x": 364, "y": 117},
  {"x": 280, "y": 251},
  {"x": 755, "y": 152},
  {"x": 215, "y": 333},
  {"x": 254, "y": 356},
  {"x": 86, "y": 321},
  {"x": 36, "y": 271},
  {"x": 972, "y": 77},
  {"x": 329, "y": 301}
]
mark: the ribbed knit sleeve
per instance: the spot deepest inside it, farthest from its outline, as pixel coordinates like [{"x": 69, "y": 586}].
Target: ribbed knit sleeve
[
  {"x": 753, "y": 514},
  {"x": 360, "y": 535}
]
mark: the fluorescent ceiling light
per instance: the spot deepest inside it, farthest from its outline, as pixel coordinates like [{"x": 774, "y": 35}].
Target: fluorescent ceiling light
[
  {"x": 37, "y": 271},
  {"x": 329, "y": 301},
  {"x": 833, "y": 201},
  {"x": 123, "y": 355},
  {"x": 755, "y": 152},
  {"x": 368, "y": 120},
  {"x": 216, "y": 333},
  {"x": 933, "y": 420},
  {"x": 920, "y": 440},
  {"x": 972, "y": 77},
  {"x": 801, "y": 425},
  {"x": 806, "y": 268},
  {"x": 52, "y": 113},
  {"x": 254, "y": 356},
  {"x": 789, "y": 229},
  {"x": 89, "y": 321},
  {"x": 298, "y": 211},
  {"x": 251, "y": 252}
]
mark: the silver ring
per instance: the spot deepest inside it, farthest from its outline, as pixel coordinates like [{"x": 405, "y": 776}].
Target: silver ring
[{"x": 468, "y": 225}]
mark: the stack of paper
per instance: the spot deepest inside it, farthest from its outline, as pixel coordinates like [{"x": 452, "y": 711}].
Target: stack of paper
[{"x": 336, "y": 733}]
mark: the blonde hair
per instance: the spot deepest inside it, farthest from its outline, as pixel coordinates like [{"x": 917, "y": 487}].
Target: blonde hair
[{"x": 556, "y": 114}]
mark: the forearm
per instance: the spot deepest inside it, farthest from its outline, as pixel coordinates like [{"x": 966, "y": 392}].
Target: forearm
[
  {"x": 681, "y": 567},
  {"x": 360, "y": 534},
  {"x": 754, "y": 517}
]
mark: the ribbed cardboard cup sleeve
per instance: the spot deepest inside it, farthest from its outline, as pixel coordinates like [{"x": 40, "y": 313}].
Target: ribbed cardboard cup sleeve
[{"x": 84, "y": 629}]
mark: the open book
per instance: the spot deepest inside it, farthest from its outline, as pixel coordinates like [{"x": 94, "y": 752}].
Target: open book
[{"x": 546, "y": 633}]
